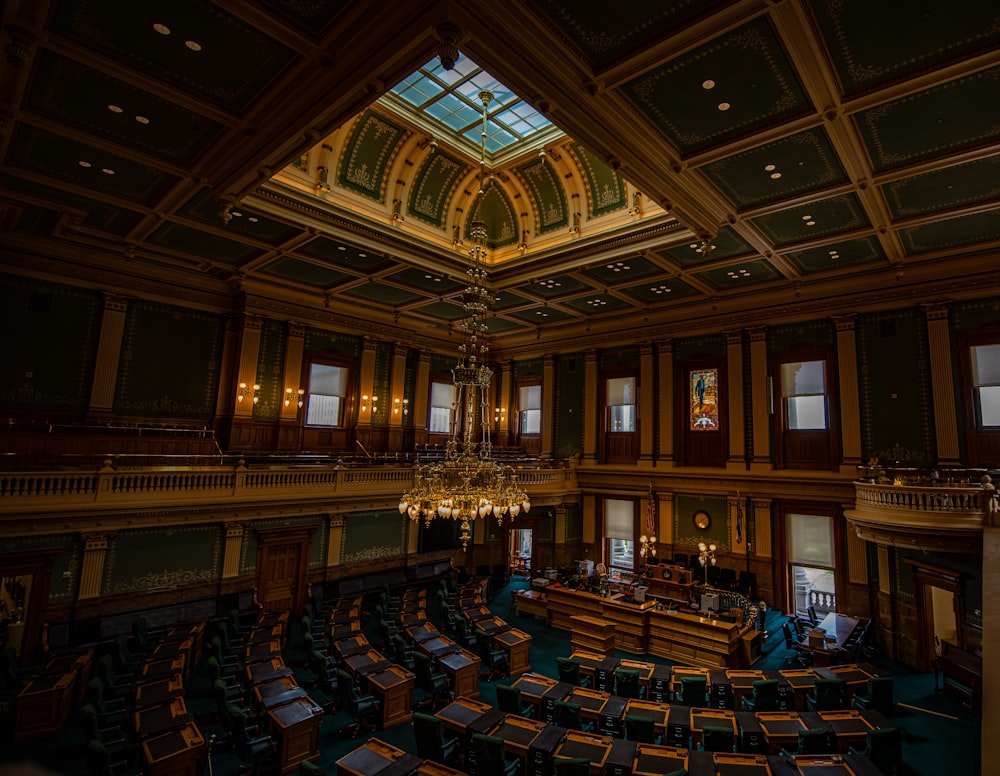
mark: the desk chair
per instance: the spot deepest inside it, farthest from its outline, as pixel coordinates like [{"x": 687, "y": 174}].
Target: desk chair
[
  {"x": 431, "y": 743},
  {"x": 509, "y": 700},
  {"x": 403, "y": 652},
  {"x": 571, "y": 766},
  {"x": 641, "y": 729},
  {"x": 433, "y": 683},
  {"x": 812, "y": 741},
  {"x": 827, "y": 695},
  {"x": 494, "y": 660},
  {"x": 363, "y": 708},
  {"x": 877, "y": 697},
  {"x": 115, "y": 685},
  {"x": 118, "y": 747},
  {"x": 226, "y": 695},
  {"x": 796, "y": 654},
  {"x": 568, "y": 716},
  {"x": 569, "y": 672},
  {"x": 718, "y": 739},
  {"x": 882, "y": 747},
  {"x": 694, "y": 692},
  {"x": 307, "y": 768},
  {"x": 462, "y": 635},
  {"x": 811, "y": 617},
  {"x": 765, "y": 696},
  {"x": 252, "y": 747},
  {"x": 112, "y": 711},
  {"x": 627, "y": 683},
  {"x": 325, "y": 669},
  {"x": 490, "y": 758},
  {"x": 101, "y": 762},
  {"x": 230, "y": 661},
  {"x": 125, "y": 661}
]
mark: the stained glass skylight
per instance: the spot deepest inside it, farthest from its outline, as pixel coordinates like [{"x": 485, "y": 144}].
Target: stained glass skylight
[{"x": 451, "y": 99}]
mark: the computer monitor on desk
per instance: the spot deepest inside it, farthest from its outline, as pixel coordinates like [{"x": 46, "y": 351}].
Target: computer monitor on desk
[{"x": 585, "y": 568}]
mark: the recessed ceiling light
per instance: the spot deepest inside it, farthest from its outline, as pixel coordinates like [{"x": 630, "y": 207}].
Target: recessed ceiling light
[
  {"x": 806, "y": 218},
  {"x": 540, "y": 313},
  {"x": 724, "y": 106},
  {"x": 108, "y": 171},
  {"x": 775, "y": 175},
  {"x": 161, "y": 28},
  {"x": 193, "y": 45},
  {"x": 341, "y": 248},
  {"x": 768, "y": 167},
  {"x": 84, "y": 164},
  {"x": 661, "y": 289},
  {"x": 114, "y": 109},
  {"x": 142, "y": 119},
  {"x": 238, "y": 214},
  {"x": 708, "y": 84},
  {"x": 362, "y": 255},
  {"x": 810, "y": 223},
  {"x": 253, "y": 219},
  {"x": 737, "y": 274}
]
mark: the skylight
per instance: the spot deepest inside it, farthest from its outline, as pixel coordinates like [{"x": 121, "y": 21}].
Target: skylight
[{"x": 451, "y": 99}]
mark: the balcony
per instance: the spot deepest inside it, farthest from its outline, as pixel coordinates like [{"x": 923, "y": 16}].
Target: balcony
[{"x": 924, "y": 512}]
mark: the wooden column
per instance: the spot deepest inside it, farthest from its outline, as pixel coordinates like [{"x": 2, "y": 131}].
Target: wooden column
[
  {"x": 95, "y": 547},
  {"x": 590, "y": 522},
  {"x": 734, "y": 390},
  {"x": 247, "y": 373},
  {"x": 647, "y": 403},
  {"x": 231, "y": 555},
  {"x": 336, "y": 525},
  {"x": 109, "y": 348},
  {"x": 366, "y": 381},
  {"x": 666, "y": 415},
  {"x": 666, "y": 518},
  {"x": 591, "y": 410},
  {"x": 502, "y": 416},
  {"x": 762, "y": 527},
  {"x": 857, "y": 554},
  {"x": 548, "y": 405},
  {"x": 394, "y": 401},
  {"x": 761, "y": 408},
  {"x": 288, "y": 427},
  {"x": 850, "y": 406},
  {"x": 942, "y": 384},
  {"x": 420, "y": 401}
]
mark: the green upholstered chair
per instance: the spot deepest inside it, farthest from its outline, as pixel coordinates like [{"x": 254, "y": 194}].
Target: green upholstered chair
[
  {"x": 878, "y": 696},
  {"x": 569, "y": 672},
  {"x": 812, "y": 741},
  {"x": 568, "y": 715},
  {"x": 641, "y": 729},
  {"x": 765, "y": 696},
  {"x": 827, "y": 695},
  {"x": 883, "y": 748},
  {"x": 627, "y": 683},
  {"x": 571, "y": 766},
  {"x": 694, "y": 691},
  {"x": 718, "y": 739},
  {"x": 431, "y": 742}
]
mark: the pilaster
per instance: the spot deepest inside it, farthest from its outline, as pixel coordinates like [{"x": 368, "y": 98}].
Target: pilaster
[
  {"x": 591, "y": 410},
  {"x": 109, "y": 346},
  {"x": 336, "y": 531},
  {"x": 548, "y": 405},
  {"x": 666, "y": 414},
  {"x": 734, "y": 392},
  {"x": 647, "y": 394},
  {"x": 942, "y": 385},
  {"x": 95, "y": 548},
  {"x": 761, "y": 409},
  {"x": 234, "y": 544},
  {"x": 850, "y": 406}
]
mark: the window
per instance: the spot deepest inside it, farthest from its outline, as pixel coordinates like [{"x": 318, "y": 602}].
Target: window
[
  {"x": 986, "y": 383},
  {"x": 442, "y": 402},
  {"x": 803, "y": 393},
  {"x": 619, "y": 531},
  {"x": 529, "y": 402},
  {"x": 327, "y": 393},
  {"x": 812, "y": 563},
  {"x": 621, "y": 404},
  {"x": 704, "y": 410}
]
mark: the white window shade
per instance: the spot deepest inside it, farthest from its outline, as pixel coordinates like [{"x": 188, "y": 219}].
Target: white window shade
[
  {"x": 621, "y": 390},
  {"x": 810, "y": 540},
  {"x": 619, "y": 519},
  {"x": 802, "y": 377},
  {"x": 530, "y": 397},
  {"x": 329, "y": 380},
  {"x": 986, "y": 365}
]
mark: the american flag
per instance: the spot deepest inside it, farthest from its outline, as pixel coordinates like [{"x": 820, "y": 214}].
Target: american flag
[
  {"x": 739, "y": 519},
  {"x": 651, "y": 513}
]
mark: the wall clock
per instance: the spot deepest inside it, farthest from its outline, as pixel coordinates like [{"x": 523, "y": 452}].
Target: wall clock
[{"x": 702, "y": 519}]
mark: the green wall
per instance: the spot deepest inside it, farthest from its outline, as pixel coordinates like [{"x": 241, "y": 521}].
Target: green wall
[
  {"x": 137, "y": 560},
  {"x": 374, "y": 534},
  {"x": 687, "y": 534},
  {"x": 569, "y": 405}
]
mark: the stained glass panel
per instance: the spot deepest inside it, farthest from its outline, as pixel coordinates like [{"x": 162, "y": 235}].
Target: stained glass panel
[{"x": 704, "y": 406}]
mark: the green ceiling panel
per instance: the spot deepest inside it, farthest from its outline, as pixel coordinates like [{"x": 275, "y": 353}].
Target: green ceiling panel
[
  {"x": 84, "y": 165},
  {"x": 924, "y": 36},
  {"x": 445, "y": 311},
  {"x": 958, "y": 186},
  {"x": 74, "y": 94},
  {"x": 540, "y": 315},
  {"x": 98, "y": 215},
  {"x": 424, "y": 280},
  {"x": 605, "y": 187},
  {"x": 373, "y": 143},
  {"x": 745, "y": 70},
  {"x": 740, "y": 275},
  {"x": 495, "y": 209},
  {"x": 953, "y": 233},
  {"x": 304, "y": 272},
  {"x": 344, "y": 256},
  {"x": 312, "y": 18},
  {"x": 661, "y": 291},
  {"x": 550, "y": 288},
  {"x": 807, "y": 222},
  {"x": 599, "y": 303},
  {"x": 37, "y": 220},
  {"x": 205, "y": 208},
  {"x": 727, "y": 243},
  {"x": 833, "y": 256},
  {"x": 964, "y": 113},
  {"x": 547, "y": 193},
  {"x": 433, "y": 186},
  {"x": 623, "y": 271},
  {"x": 504, "y": 300},
  {"x": 383, "y": 294},
  {"x": 793, "y": 165},
  {"x": 496, "y": 325},
  {"x": 232, "y": 64},
  {"x": 603, "y": 36},
  {"x": 202, "y": 244}
]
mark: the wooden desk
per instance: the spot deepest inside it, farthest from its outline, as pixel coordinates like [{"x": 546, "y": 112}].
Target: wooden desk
[
  {"x": 44, "y": 704},
  {"x": 155, "y": 720},
  {"x": 800, "y": 682},
  {"x": 366, "y": 663},
  {"x": 645, "y": 669},
  {"x": 183, "y": 632},
  {"x": 377, "y": 758},
  {"x": 394, "y": 686},
  {"x": 854, "y": 676},
  {"x": 352, "y": 646},
  {"x": 260, "y": 634},
  {"x": 460, "y": 713},
  {"x": 163, "y": 669},
  {"x": 530, "y": 602},
  {"x": 658, "y": 712},
  {"x": 591, "y": 702},
  {"x": 296, "y": 727},
  {"x": 345, "y": 616},
  {"x": 533, "y": 687},
  {"x": 838, "y": 628},
  {"x": 680, "y": 672},
  {"x": 267, "y": 671},
  {"x": 177, "y": 753},
  {"x": 171, "y": 650},
  {"x": 462, "y": 668},
  {"x": 741, "y": 765},
  {"x": 652, "y": 760},
  {"x": 277, "y": 692},
  {"x": 849, "y": 726},
  {"x": 687, "y": 637},
  {"x": 344, "y": 630},
  {"x": 431, "y": 768},
  {"x": 156, "y": 693},
  {"x": 700, "y": 718},
  {"x": 960, "y": 672},
  {"x": 518, "y": 734},
  {"x": 631, "y": 621},
  {"x": 592, "y": 634},
  {"x": 781, "y": 729},
  {"x": 728, "y": 688},
  {"x": 594, "y": 748},
  {"x": 262, "y": 652},
  {"x": 517, "y": 644},
  {"x": 832, "y": 765}
]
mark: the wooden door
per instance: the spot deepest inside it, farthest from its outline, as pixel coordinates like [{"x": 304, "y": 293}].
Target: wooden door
[{"x": 282, "y": 566}]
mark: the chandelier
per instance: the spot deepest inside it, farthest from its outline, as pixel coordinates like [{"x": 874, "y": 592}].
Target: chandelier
[{"x": 468, "y": 483}]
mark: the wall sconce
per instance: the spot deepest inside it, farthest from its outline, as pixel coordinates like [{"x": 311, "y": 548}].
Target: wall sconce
[
  {"x": 647, "y": 546},
  {"x": 242, "y": 392},
  {"x": 575, "y": 229},
  {"x": 500, "y": 416},
  {"x": 321, "y": 179},
  {"x": 365, "y": 399},
  {"x": 397, "y": 211},
  {"x": 456, "y": 237},
  {"x": 706, "y": 556},
  {"x": 290, "y": 393},
  {"x": 636, "y": 209},
  {"x": 401, "y": 405}
]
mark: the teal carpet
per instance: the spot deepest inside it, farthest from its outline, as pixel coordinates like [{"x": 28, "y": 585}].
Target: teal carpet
[{"x": 940, "y": 735}]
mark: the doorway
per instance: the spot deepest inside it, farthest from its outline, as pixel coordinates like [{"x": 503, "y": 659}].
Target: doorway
[
  {"x": 940, "y": 611},
  {"x": 520, "y": 551},
  {"x": 282, "y": 562}
]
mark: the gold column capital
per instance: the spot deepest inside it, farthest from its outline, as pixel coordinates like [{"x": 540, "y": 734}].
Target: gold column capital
[
  {"x": 937, "y": 311},
  {"x": 845, "y": 322}
]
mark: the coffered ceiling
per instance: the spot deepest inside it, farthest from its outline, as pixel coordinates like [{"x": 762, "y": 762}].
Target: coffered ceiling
[{"x": 711, "y": 164}]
